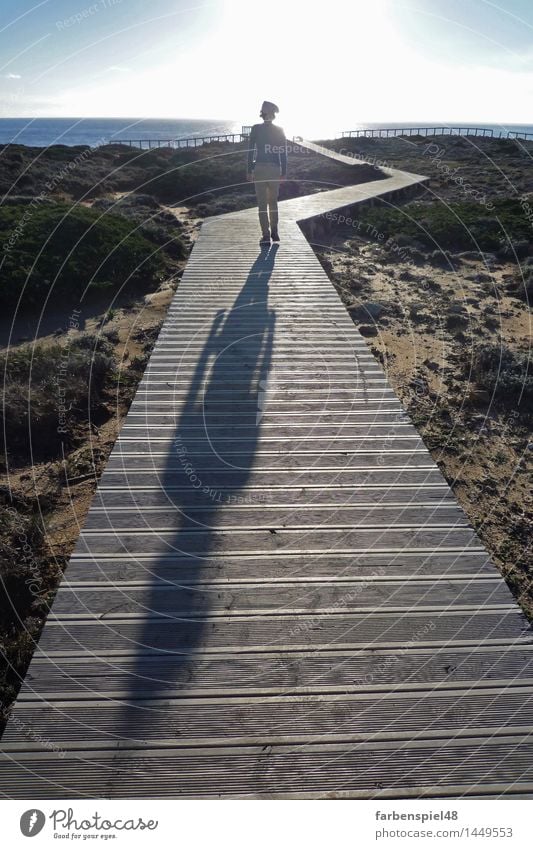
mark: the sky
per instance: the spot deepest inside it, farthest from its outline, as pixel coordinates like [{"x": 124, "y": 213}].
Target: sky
[{"x": 330, "y": 64}]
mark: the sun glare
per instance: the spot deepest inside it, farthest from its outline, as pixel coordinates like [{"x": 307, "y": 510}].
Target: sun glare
[
  {"x": 307, "y": 59},
  {"x": 329, "y": 67}
]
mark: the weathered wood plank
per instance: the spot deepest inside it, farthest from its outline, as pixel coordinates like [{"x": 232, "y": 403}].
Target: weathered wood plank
[
  {"x": 389, "y": 496},
  {"x": 444, "y": 768},
  {"x": 252, "y": 541},
  {"x": 270, "y": 673},
  {"x": 279, "y": 566},
  {"x": 171, "y": 599},
  {"x": 288, "y": 632},
  {"x": 269, "y": 517},
  {"x": 267, "y": 720}
]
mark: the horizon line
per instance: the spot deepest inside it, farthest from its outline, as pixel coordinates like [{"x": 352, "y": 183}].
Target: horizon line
[{"x": 424, "y": 122}]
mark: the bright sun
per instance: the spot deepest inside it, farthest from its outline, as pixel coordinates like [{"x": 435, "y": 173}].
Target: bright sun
[
  {"x": 329, "y": 66},
  {"x": 298, "y": 55}
]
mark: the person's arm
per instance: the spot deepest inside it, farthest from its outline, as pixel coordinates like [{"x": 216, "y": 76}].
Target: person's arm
[
  {"x": 283, "y": 155},
  {"x": 251, "y": 149}
]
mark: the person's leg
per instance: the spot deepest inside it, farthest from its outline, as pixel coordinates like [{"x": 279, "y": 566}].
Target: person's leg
[
  {"x": 273, "y": 193},
  {"x": 261, "y": 192}
]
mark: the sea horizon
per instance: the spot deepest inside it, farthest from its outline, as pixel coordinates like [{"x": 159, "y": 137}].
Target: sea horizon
[{"x": 72, "y": 131}]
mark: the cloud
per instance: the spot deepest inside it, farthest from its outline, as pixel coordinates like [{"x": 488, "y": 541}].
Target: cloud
[
  {"x": 12, "y": 76},
  {"x": 119, "y": 69}
]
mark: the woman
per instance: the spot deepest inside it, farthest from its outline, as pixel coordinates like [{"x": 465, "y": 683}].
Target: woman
[{"x": 267, "y": 164}]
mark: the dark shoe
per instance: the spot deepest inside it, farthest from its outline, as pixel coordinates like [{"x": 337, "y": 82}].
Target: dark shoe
[
  {"x": 265, "y": 240},
  {"x": 275, "y": 236}
]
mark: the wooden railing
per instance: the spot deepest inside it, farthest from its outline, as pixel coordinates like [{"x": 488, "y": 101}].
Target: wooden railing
[
  {"x": 196, "y": 141},
  {"x": 378, "y": 132},
  {"x": 386, "y": 132},
  {"x": 514, "y": 134},
  {"x": 192, "y": 141}
]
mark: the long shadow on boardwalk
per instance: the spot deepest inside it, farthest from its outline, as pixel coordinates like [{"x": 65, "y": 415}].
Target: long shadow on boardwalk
[{"x": 224, "y": 391}]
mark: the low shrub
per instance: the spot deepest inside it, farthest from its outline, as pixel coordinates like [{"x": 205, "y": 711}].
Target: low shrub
[
  {"x": 507, "y": 375},
  {"x": 455, "y": 226},
  {"x": 48, "y": 389},
  {"x": 53, "y": 249},
  {"x": 522, "y": 286}
]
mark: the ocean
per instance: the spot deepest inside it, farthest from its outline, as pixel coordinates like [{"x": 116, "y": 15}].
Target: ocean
[{"x": 42, "y": 132}]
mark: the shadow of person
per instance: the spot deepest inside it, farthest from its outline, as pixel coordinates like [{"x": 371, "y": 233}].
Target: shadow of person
[{"x": 207, "y": 468}]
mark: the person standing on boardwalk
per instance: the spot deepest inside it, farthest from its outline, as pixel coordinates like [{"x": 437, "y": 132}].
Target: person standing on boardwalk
[{"x": 267, "y": 164}]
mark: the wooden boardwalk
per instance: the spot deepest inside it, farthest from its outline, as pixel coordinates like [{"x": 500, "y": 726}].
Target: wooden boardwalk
[{"x": 275, "y": 593}]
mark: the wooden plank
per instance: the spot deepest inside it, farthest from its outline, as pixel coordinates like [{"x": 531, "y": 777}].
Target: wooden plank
[
  {"x": 271, "y": 673},
  {"x": 250, "y": 463},
  {"x": 252, "y": 541},
  {"x": 267, "y": 720},
  {"x": 388, "y": 495},
  {"x": 444, "y": 768},
  {"x": 265, "y": 518},
  {"x": 279, "y": 566},
  {"x": 259, "y": 479},
  {"x": 289, "y": 632},
  {"x": 106, "y": 601}
]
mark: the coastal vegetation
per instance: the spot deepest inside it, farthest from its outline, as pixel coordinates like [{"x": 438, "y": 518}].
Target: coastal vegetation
[
  {"x": 210, "y": 179},
  {"x": 456, "y": 226},
  {"x": 52, "y": 249}
]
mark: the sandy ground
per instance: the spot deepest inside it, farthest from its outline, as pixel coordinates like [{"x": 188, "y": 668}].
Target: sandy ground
[{"x": 422, "y": 323}]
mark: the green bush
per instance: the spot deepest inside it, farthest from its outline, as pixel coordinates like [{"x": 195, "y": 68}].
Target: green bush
[
  {"x": 507, "y": 375},
  {"x": 455, "y": 227},
  {"x": 48, "y": 389},
  {"x": 69, "y": 252}
]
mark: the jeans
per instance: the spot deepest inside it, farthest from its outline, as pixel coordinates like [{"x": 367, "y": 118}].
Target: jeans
[{"x": 266, "y": 180}]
